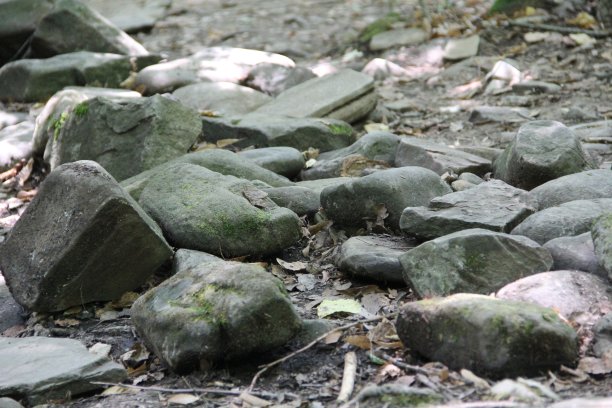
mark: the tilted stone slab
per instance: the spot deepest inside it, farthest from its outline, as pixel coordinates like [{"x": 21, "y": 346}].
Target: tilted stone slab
[
  {"x": 472, "y": 261},
  {"x": 492, "y": 205},
  {"x": 413, "y": 151},
  {"x": 215, "y": 312},
  {"x": 601, "y": 231},
  {"x": 492, "y": 337},
  {"x": 283, "y": 160},
  {"x": 82, "y": 239},
  {"x": 42, "y": 369},
  {"x": 578, "y": 186},
  {"x": 221, "y": 98}
]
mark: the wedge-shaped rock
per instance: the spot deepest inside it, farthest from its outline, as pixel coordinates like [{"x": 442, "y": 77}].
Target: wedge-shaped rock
[
  {"x": 215, "y": 312},
  {"x": 222, "y": 98},
  {"x": 473, "y": 261},
  {"x": 493, "y": 205},
  {"x": 215, "y": 64},
  {"x": 381, "y": 196},
  {"x": 601, "y": 232},
  {"x": 566, "y": 220},
  {"x": 268, "y": 130},
  {"x": 541, "y": 151},
  {"x": 492, "y": 337},
  {"x": 575, "y": 253},
  {"x": 282, "y": 160},
  {"x": 222, "y": 215},
  {"x": 413, "y": 151},
  {"x": 585, "y": 185},
  {"x": 41, "y": 369},
  {"x": 126, "y": 136},
  {"x": 82, "y": 239},
  {"x": 346, "y": 95}
]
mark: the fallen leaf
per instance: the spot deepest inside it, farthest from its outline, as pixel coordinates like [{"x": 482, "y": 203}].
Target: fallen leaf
[
  {"x": 332, "y": 337},
  {"x": 67, "y": 322},
  {"x": 375, "y": 127},
  {"x": 258, "y": 198},
  {"x": 361, "y": 341},
  {"x": 474, "y": 379},
  {"x": 584, "y": 20},
  {"x": 354, "y": 165},
  {"x": 183, "y": 399},
  {"x": 117, "y": 389},
  {"x": 292, "y": 266},
  {"x": 387, "y": 372},
  {"x": 226, "y": 142},
  {"x": 582, "y": 39},
  {"x": 329, "y": 307}
]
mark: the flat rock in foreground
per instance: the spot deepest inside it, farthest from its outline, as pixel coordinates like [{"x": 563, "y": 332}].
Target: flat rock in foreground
[
  {"x": 82, "y": 239},
  {"x": 493, "y": 337}
]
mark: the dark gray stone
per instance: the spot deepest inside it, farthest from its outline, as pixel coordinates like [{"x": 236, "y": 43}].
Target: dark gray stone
[
  {"x": 283, "y": 160},
  {"x": 300, "y": 200},
  {"x": 584, "y": 185},
  {"x": 274, "y": 79},
  {"x": 575, "y": 253},
  {"x": 601, "y": 231},
  {"x": 221, "y": 98}
]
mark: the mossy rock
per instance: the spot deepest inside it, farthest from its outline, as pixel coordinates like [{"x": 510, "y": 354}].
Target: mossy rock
[{"x": 379, "y": 26}]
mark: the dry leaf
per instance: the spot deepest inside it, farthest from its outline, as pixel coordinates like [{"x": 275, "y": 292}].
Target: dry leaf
[
  {"x": 329, "y": 307},
  {"x": 258, "y": 198},
  {"x": 183, "y": 399},
  {"x": 292, "y": 266},
  {"x": 353, "y": 165},
  {"x": 375, "y": 127},
  {"x": 332, "y": 337},
  {"x": 387, "y": 372},
  {"x": 210, "y": 114},
  {"x": 584, "y": 20},
  {"x": 67, "y": 322},
  {"x": 226, "y": 142},
  {"x": 361, "y": 341},
  {"x": 374, "y": 302},
  {"x": 582, "y": 39},
  {"x": 117, "y": 389}
]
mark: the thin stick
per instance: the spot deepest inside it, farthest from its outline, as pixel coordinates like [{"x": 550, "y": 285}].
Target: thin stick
[
  {"x": 348, "y": 377},
  {"x": 561, "y": 29},
  {"x": 266, "y": 367},
  {"x": 405, "y": 366}
]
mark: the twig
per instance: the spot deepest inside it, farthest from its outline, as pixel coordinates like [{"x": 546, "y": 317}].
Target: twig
[
  {"x": 405, "y": 366},
  {"x": 266, "y": 367},
  {"x": 561, "y": 29},
  {"x": 378, "y": 390},
  {"x": 348, "y": 377}
]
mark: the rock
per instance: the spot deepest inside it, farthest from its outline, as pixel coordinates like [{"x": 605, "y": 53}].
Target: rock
[
  {"x": 601, "y": 231},
  {"x": 461, "y": 48},
  {"x": 504, "y": 74},
  {"x": 15, "y": 144},
  {"x": 188, "y": 258},
  {"x": 132, "y": 15},
  {"x": 215, "y": 312},
  {"x": 413, "y": 151},
  {"x": 584, "y": 185},
  {"x": 55, "y": 32},
  {"x": 493, "y": 337},
  {"x": 374, "y": 257},
  {"x": 273, "y": 79},
  {"x": 203, "y": 210},
  {"x": 575, "y": 253},
  {"x": 488, "y": 153},
  {"x": 33, "y": 80},
  {"x": 380, "y": 69},
  {"x": 215, "y": 64},
  {"x": 268, "y": 130},
  {"x": 602, "y": 336},
  {"x": 535, "y": 87},
  {"x": 501, "y": 114},
  {"x": 471, "y": 178},
  {"x": 11, "y": 314},
  {"x": 300, "y": 200},
  {"x": 319, "y": 185},
  {"x": 566, "y": 220},
  {"x": 6, "y": 402},
  {"x": 311, "y": 329},
  {"x": 11, "y": 118},
  {"x": 381, "y": 196},
  {"x": 461, "y": 185},
  {"x": 397, "y": 38},
  {"x": 41, "y": 369},
  {"x": 493, "y": 205},
  {"x": 81, "y": 239},
  {"x": 472, "y": 261},
  {"x": 126, "y": 136},
  {"x": 223, "y": 98},
  {"x": 336, "y": 96},
  {"x": 583, "y": 403},
  {"x": 282, "y": 160}
]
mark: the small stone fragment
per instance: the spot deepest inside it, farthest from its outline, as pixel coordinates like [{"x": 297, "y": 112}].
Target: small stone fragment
[{"x": 461, "y": 48}]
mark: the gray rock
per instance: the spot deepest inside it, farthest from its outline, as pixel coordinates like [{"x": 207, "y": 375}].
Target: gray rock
[
  {"x": 126, "y": 136},
  {"x": 566, "y": 220},
  {"x": 489, "y": 153},
  {"x": 273, "y": 79},
  {"x": 374, "y": 257},
  {"x": 601, "y": 231},
  {"x": 575, "y": 253},
  {"x": 413, "y": 151},
  {"x": 382, "y": 195},
  {"x": 584, "y": 185},
  {"x": 461, "y": 48},
  {"x": 300, "y": 200},
  {"x": 215, "y": 312},
  {"x": 283, "y": 160},
  {"x": 319, "y": 185},
  {"x": 583, "y": 403},
  {"x": 131, "y": 15},
  {"x": 535, "y": 87},
  {"x": 188, "y": 258},
  {"x": 81, "y": 239},
  {"x": 222, "y": 98},
  {"x": 213, "y": 64},
  {"x": 541, "y": 151},
  {"x": 380, "y": 69},
  {"x": 200, "y": 209},
  {"x": 33, "y": 80},
  {"x": 500, "y": 114},
  {"x": 493, "y": 205},
  {"x": 11, "y": 118},
  {"x": 15, "y": 144},
  {"x": 461, "y": 185},
  {"x": 11, "y": 313},
  {"x": 472, "y": 261},
  {"x": 471, "y": 178},
  {"x": 6, "y": 402},
  {"x": 41, "y": 369},
  {"x": 55, "y": 32},
  {"x": 325, "y": 97},
  {"x": 397, "y": 38},
  {"x": 602, "y": 341},
  {"x": 493, "y": 337},
  {"x": 262, "y": 130}
]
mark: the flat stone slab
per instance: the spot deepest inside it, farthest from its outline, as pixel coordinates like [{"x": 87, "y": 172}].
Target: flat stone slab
[
  {"x": 221, "y": 98},
  {"x": 578, "y": 186},
  {"x": 397, "y": 38},
  {"x": 500, "y": 114},
  {"x": 40, "y": 369},
  {"x": 461, "y": 48}
]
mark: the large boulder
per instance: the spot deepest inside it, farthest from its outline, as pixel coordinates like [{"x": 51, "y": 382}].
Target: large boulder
[
  {"x": 575, "y": 253},
  {"x": 215, "y": 312},
  {"x": 601, "y": 232},
  {"x": 282, "y": 160},
  {"x": 578, "y": 186},
  {"x": 220, "y": 98},
  {"x": 82, "y": 239},
  {"x": 493, "y": 337},
  {"x": 472, "y": 261}
]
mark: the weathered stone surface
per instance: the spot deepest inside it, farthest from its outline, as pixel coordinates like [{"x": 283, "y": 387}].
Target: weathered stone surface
[
  {"x": 492, "y": 205},
  {"x": 15, "y": 144},
  {"x": 222, "y": 98},
  {"x": 8, "y": 118},
  {"x": 263, "y": 130},
  {"x": 300, "y": 200},
  {"x": 215, "y": 312},
  {"x": 374, "y": 257},
  {"x": 200, "y": 209},
  {"x": 566, "y": 220},
  {"x": 273, "y": 79},
  {"x": 601, "y": 232},
  {"x": 40, "y": 369},
  {"x": 55, "y": 32},
  {"x": 494, "y": 337},
  {"x": 214, "y": 64},
  {"x": 397, "y": 38},
  {"x": 535, "y": 87},
  {"x": 322, "y": 97},
  {"x": 578, "y": 186},
  {"x": 82, "y": 239},
  {"x": 131, "y": 15},
  {"x": 602, "y": 341},
  {"x": 283, "y": 160},
  {"x": 541, "y": 151},
  {"x": 575, "y": 253},
  {"x": 472, "y": 261},
  {"x": 413, "y": 151},
  {"x": 11, "y": 313},
  {"x": 386, "y": 191},
  {"x": 461, "y": 48},
  {"x": 126, "y": 136},
  {"x": 188, "y": 258},
  {"x": 501, "y": 114}
]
